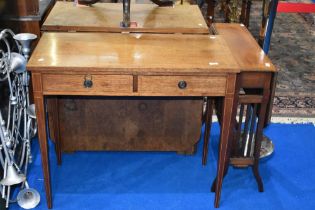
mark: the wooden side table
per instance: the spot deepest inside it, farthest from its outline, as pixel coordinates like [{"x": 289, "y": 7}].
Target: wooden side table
[{"x": 256, "y": 78}]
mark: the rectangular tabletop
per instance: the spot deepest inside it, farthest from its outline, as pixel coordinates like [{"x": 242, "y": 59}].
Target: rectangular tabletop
[
  {"x": 247, "y": 52},
  {"x": 133, "y": 53},
  {"x": 106, "y": 17}
]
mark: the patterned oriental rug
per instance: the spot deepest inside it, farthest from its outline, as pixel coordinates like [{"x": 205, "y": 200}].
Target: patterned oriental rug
[{"x": 293, "y": 52}]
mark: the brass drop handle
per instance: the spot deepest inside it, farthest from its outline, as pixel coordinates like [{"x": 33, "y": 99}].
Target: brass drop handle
[
  {"x": 88, "y": 83},
  {"x": 182, "y": 84}
]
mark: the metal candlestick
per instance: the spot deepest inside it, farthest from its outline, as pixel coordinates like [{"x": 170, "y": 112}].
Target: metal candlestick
[
  {"x": 126, "y": 14},
  {"x": 21, "y": 124},
  {"x": 25, "y": 39}
]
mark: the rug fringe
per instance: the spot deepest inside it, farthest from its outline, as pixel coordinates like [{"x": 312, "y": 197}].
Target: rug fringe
[
  {"x": 293, "y": 120},
  {"x": 285, "y": 120}
]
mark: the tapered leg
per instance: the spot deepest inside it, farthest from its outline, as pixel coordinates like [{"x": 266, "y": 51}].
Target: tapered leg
[
  {"x": 258, "y": 178},
  {"x": 208, "y": 122},
  {"x": 261, "y": 120},
  {"x": 218, "y": 104},
  {"x": 232, "y": 141},
  {"x": 42, "y": 132},
  {"x": 229, "y": 150},
  {"x": 271, "y": 99},
  {"x": 255, "y": 167},
  {"x": 214, "y": 183},
  {"x": 55, "y": 119},
  {"x": 229, "y": 107},
  {"x": 42, "y": 137}
]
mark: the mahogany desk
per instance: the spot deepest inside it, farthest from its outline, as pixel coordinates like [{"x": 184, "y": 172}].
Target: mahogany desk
[
  {"x": 133, "y": 65},
  {"x": 170, "y": 130}
]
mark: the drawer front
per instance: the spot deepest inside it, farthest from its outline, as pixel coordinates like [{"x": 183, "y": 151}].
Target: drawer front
[
  {"x": 87, "y": 84},
  {"x": 182, "y": 85}
]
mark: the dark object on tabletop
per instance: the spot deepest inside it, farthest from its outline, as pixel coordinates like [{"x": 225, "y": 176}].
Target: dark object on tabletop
[
  {"x": 126, "y": 14},
  {"x": 126, "y": 10},
  {"x": 88, "y": 2},
  {"x": 163, "y": 3},
  {"x": 157, "y": 2}
]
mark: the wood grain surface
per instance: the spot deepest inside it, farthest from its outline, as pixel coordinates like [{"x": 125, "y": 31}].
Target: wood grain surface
[
  {"x": 169, "y": 85},
  {"x": 106, "y": 17},
  {"x": 74, "y": 84},
  {"x": 132, "y": 53},
  {"x": 131, "y": 124},
  {"x": 250, "y": 57},
  {"x": 246, "y": 51}
]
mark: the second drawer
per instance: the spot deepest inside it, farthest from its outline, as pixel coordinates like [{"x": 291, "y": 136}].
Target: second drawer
[{"x": 182, "y": 85}]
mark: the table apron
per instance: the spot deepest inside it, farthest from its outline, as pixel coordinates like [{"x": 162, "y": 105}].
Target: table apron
[{"x": 132, "y": 85}]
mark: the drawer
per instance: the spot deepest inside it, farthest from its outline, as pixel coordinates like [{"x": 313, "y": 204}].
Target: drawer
[
  {"x": 86, "y": 84},
  {"x": 182, "y": 85}
]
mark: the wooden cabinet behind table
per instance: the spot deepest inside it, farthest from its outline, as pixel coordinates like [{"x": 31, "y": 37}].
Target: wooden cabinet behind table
[
  {"x": 128, "y": 124},
  {"x": 24, "y": 16}
]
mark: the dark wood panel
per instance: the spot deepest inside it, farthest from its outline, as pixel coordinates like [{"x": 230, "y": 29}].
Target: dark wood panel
[
  {"x": 150, "y": 124},
  {"x": 19, "y": 7},
  {"x": 253, "y": 79},
  {"x": 24, "y": 16},
  {"x": 21, "y": 26}
]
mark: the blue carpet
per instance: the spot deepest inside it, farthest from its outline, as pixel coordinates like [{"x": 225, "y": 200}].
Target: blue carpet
[{"x": 155, "y": 180}]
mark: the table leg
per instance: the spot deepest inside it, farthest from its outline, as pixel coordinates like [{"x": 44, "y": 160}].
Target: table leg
[
  {"x": 271, "y": 99},
  {"x": 42, "y": 138},
  {"x": 55, "y": 120},
  {"x": 229, "y": 108},
  {"x": 259, "y": 133},
  {"x": 262, "y": 112},
  {"x": 208, "y": 122}
]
